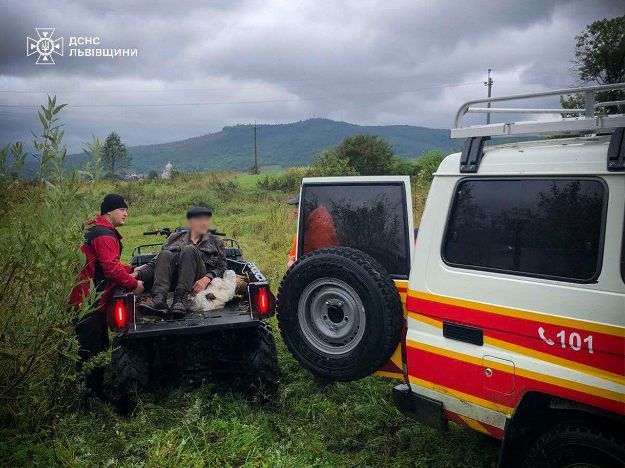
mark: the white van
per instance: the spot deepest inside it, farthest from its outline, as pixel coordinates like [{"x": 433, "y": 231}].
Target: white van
[{"x": 507, "y": 313}]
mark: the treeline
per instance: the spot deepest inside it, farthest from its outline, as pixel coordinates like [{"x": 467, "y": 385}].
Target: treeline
[{"x": 357, "y": 155}]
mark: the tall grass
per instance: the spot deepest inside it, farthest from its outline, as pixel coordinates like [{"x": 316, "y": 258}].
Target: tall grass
[
  {"x": 40, "y": 233},
  {"x": 309, "y": 424},
  {"x": 346, "y": 424}
]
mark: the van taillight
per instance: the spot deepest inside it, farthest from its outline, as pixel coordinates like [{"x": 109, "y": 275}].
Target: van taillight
[
  {"x": 119, "y": 313},
  {"x": 262, "y": 301}
]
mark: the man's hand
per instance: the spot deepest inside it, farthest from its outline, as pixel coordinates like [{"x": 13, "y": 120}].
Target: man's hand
[
  {"x": 140, "y": 288},
  {"x": 135, "y": 272},
  {"x": 201, "y": 284}
]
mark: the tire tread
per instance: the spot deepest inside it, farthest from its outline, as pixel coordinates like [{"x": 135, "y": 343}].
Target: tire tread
[{"x": 393, "y": 317}]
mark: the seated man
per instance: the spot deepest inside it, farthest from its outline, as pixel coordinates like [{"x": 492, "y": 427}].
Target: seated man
[{"x": 187, "y": 263}]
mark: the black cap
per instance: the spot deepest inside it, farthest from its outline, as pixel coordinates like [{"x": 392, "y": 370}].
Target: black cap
[
  {"x": 293, "y": 201},
  {"x": 198, "y": 211},
  {"x": 112, "y": 202}
]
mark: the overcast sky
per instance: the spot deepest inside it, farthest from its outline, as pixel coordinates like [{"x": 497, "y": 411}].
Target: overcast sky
[{"x": 372, "y": 62}]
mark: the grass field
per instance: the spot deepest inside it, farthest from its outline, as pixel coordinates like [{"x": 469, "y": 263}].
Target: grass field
[{"x": 347, "y": 424}]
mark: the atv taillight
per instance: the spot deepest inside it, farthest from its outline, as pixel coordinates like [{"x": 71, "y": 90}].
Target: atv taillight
[
  {"x": 262, "y": 300},
  {"x": 119, "y": 313}
]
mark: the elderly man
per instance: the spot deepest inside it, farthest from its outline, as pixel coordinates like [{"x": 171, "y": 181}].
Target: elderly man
[{"x": 186, "y": 264}]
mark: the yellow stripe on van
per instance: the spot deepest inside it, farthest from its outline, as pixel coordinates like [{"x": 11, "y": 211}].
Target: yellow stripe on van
[{"x": 524, "y": 314}]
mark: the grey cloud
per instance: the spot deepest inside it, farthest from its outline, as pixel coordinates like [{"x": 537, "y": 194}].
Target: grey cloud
[{"x": 368, "y": 62}]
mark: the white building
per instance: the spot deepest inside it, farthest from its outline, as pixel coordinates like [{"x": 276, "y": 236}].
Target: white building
[{"x": 166, "y": 174}]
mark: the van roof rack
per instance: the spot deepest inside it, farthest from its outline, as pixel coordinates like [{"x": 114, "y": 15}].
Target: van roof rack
[{"x": 586, "y": 120}]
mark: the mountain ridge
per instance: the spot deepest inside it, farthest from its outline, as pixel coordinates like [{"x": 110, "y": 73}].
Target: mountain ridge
[{"x": 279, "y": 145}]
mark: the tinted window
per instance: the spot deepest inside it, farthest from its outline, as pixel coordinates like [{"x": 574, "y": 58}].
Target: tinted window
[
  {"x": 368, "y": 217},
  {"x": 534, "y": 227}
]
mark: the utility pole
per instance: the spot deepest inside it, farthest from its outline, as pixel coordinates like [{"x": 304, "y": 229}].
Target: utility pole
[
  {"x": 489, "y": 84},
  {"x": 255, "y": 168}
]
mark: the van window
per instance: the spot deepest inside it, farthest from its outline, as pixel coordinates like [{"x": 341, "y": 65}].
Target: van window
[
  {"x": 535, "y": 227},
  {"x": 366, "y": 216}
]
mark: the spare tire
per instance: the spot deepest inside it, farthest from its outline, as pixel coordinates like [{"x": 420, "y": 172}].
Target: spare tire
[{"x": 339, "y": 313}]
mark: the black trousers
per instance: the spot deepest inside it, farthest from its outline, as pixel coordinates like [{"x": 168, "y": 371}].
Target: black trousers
[
  {"x": 92, "y": 334},
  {"x": 176, "y": 270}
]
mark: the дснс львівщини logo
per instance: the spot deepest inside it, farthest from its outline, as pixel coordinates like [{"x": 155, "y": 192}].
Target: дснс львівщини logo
[
  {"x": 45, "y": 46},
  {"x": 79, "y": 46}
]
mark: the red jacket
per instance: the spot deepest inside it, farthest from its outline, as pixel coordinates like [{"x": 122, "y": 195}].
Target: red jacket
[
  {"x": 319, "y": 230},
  {"x": 102, "y": 248}
]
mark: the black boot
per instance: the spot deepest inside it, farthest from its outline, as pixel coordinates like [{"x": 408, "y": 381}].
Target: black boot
[
  {"x": 179, "y": 306},
  {"x": 157, "y": 306}
]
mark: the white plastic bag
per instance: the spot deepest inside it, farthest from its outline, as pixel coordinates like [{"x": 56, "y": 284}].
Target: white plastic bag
[{"x": 221, "y": 288}]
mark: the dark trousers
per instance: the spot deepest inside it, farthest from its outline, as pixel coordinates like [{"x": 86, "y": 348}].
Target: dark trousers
[
  {"x": 177, "y": 270},
  {"x": 92, "y": 334}
]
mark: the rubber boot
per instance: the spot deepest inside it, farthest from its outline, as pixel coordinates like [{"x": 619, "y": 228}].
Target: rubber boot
[
  {"x": 179, "y": 307},
  {"x": 157, "y": 306}
]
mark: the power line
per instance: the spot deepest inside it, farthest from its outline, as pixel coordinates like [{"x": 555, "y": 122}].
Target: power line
[
  {"x": 264, "y": 101},
  {"x": 314, "y": 84}
]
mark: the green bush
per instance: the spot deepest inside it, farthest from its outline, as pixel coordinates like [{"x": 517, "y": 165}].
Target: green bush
[
  {"x": 288, "y": 181},
  {"x": 366, "y": 154},
  {"x": 334, "y": 163},
  {"x": 421, "y": 170},
  {"x": 40, "y": 235},
  {"x": 427, "y": 164},
  {"x": 329, "y": 164}
]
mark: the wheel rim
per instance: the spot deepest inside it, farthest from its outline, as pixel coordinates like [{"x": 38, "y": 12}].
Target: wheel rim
[{"x": 331, "y": 316}]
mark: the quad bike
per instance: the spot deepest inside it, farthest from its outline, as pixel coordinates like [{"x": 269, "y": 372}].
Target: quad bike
[{"x": 234, "y": 344}]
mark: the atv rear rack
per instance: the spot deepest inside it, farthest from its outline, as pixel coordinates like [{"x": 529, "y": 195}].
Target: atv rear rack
[{"x": 586, "y": 122}]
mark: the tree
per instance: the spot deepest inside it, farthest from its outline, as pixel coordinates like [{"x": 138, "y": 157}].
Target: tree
[
  {"x": 366, "y": 154},
  {"x": 600, "y": 51},
  {"x": 328, "y": 164},
  {"x": 600, "y": 58},
  {"x": 114, "y": 153}
]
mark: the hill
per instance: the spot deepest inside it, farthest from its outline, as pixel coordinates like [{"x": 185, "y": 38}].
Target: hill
[{"x": 283, "y": 145}]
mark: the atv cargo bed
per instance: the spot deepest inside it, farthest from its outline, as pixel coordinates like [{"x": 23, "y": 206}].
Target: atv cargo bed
[{"x": 235, "y": 314}]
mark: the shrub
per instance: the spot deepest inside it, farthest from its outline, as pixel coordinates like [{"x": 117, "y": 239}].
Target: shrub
[
  {"x": 224, "y": 185},
  {"x": 366, "y": 154},
  {"x": 422, "y": 169},
  {"x": 427, "y": 164},
  {"x": 288, "y": 181},
  {"x": 330, "y": 163},
  {"x": 40, "y": 235}
]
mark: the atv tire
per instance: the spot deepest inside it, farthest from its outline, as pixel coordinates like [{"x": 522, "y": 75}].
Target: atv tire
[
  {"x": 260, "y": 366},
  {"x": 130, "y": 373},
  {"x": 339, "y": 313}
]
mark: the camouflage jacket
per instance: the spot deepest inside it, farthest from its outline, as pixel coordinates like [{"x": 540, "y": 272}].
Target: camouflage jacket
[{"x": 211, "y": 247}]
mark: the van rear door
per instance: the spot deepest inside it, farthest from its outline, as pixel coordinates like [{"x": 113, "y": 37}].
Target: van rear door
[{"x": 372, "y": 214}]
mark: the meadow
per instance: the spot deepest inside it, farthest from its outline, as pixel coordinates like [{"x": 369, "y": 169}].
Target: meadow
[{"x": 308, "y": 424}]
